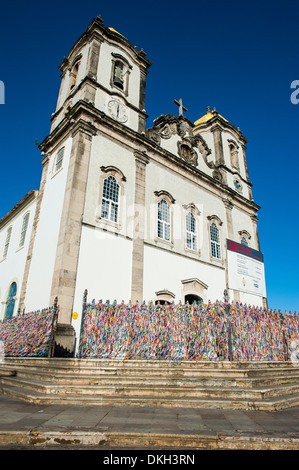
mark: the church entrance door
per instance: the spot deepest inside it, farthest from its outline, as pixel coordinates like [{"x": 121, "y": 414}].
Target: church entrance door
[
  {"x": 10, "y": 304},
  {"x": 190, "y": 298}
]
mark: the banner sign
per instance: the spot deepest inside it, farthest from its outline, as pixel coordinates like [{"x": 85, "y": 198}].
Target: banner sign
[{"x": 246, "y": 271}]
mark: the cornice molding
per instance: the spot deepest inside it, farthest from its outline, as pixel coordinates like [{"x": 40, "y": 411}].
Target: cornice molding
[
  {"x": 165, "y": 193},
  {"x": 244, "y": 232},
  {"x": 105, "y": 124},
  {"x": 215, "y": 217},
  {"x": 27, "y": 199}
]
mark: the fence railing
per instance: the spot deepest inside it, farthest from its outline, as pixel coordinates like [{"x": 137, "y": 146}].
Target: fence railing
[
  {"x": 218, "y": 331},
  {"x": 30, "y": 334}
]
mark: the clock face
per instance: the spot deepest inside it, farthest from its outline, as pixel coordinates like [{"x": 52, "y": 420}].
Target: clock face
[{"x": 117, "y": 111}]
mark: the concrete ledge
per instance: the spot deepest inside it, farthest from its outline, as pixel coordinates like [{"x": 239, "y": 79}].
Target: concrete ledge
[{"x": 120, "y": 440}]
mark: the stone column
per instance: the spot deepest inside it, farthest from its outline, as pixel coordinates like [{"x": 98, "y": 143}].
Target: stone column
[
  {"x": 139, "y": 225},
  {"x": 68, "y": 247},
  {"x": 230, "y": 234},
  {"x": 45, "y": 163}
]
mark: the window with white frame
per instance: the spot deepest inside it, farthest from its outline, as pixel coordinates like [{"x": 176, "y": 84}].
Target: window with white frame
[
  {"x": 163, "y": 220},
  {"x": 59, "y": 160},
  {"x": 110, "y": 199},
  {"x": 24, "y": 230},
  {"x": 7, "y": 242},
  {"x": 215, "y": 241},
  {"x": 191, "y": 231}
]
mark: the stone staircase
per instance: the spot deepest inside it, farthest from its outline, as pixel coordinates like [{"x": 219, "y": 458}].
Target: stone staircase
[{"x": 205, "y": 384}]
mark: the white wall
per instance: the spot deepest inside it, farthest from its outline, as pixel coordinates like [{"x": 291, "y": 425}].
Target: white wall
[
  {"x": 104, "y": 269},
  {"x": 166, "y": 270},
  {"x": 13, "y": 266},
  {"x": 44, "y": 253}
]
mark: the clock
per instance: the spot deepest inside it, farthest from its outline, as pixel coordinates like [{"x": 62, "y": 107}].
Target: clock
[{"x": 117, "y": 111}]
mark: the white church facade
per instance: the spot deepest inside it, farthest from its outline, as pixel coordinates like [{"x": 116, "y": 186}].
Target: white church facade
[{"x": 128, "y": 212}]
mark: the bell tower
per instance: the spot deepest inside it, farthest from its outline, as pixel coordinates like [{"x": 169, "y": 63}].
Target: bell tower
[
  {"x": 102, "y": 91},
  {"x": 106, "y": 71}
]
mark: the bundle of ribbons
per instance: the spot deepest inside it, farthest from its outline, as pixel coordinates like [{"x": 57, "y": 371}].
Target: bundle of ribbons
[{"x": 31, "y": 334}]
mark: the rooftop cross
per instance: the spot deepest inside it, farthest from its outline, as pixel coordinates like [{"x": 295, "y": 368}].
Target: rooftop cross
[{"x": 180, "y": 104}]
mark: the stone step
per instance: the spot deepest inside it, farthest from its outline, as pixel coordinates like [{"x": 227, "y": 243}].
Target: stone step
[
  {"x": 95, "y": 363},
  {"x": 94, "y": 381},
  {"x": 176, "y": 378},
  {"x": 127, "y": 369},
  {"x": 276, "y": 403},
  {"x": 155, "y": 390}
]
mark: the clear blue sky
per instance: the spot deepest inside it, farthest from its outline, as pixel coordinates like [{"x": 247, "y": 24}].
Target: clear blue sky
[{"x": 240, "y": 57}]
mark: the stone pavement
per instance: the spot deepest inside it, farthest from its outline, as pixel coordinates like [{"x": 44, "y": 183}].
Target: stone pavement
[{"x": 42, "y": 426}]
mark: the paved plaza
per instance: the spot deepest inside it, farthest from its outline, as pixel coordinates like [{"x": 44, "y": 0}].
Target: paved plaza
[{"x": 26, "y": 424}]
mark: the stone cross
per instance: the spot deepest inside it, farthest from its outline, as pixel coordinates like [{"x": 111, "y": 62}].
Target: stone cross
[{"x": 180, "y": 104}]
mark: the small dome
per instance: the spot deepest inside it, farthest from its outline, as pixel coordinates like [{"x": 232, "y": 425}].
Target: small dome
[
  {"x": 114, "y": 30},
  {"x": 208, "y": 116}
]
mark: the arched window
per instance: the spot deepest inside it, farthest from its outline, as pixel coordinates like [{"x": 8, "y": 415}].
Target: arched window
[
  {"x": 191, "y": 231},
  {"x": 110, "y": 199},
  {"x": 11, "y": 299},
  {"x": 7, "y": 242},
  {"x": 163, "y": 220},
  {"x": 74, "y": 75},
  {"x": 215, "y": 241},
  {"x": 244, "y": 241},
  {"x": 24, "y": 230},
  {"x": 244, "y": 237},
  {"x": 234, "y": 157},
  {"x": 118, "y": 74}
]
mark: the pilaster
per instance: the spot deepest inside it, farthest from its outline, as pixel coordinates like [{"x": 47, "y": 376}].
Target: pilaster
[
  {"x": 229, "y": 220},
  {"x": 217, "y": 134},
  {"x": 254, "y": 220},
  {"x": 141, "y": 161},
  {"x": 40, "y": 196},
  {"x": 64, "y": 277},
  {"x": 93, "y": 58},
  {"x": 142, "y": 118}
]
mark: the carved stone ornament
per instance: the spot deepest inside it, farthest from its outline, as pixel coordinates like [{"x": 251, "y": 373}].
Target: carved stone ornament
[
  {"x": 183, "y": 127},
  {"x": 154, "y": 135},
  {"x": 217, "y": 176},
  {"x": 204, "y": 150},
  {"x": 167, "y": 131},
  {"x": 187, "y": 152}
]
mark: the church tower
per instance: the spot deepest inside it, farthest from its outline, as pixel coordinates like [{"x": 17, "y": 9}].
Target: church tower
[
  {"x": 102, "y": 93},
  {"x": 105, "y": 71}
]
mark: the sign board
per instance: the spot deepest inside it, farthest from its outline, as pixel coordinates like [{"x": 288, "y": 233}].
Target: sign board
[
  {"x": 246, "y": 271},
  {"x": 75, "y": 315}
]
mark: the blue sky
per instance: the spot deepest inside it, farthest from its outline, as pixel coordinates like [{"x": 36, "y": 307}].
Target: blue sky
[{"x": 240, "y": 57}]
